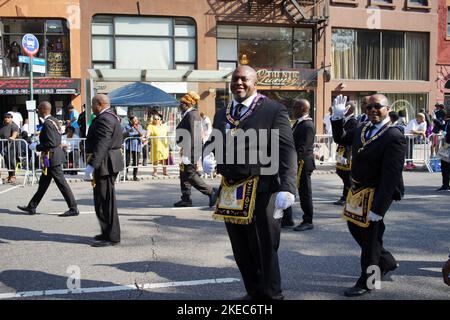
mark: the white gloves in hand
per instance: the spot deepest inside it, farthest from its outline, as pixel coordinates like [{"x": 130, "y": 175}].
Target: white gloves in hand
[
  {"x": 32, "y": 146},
  {"x": 374, "y": 217},
  {"x": 89, "y": 173},
  {"x": 185, "y": 160},
  {"x": 339, "y": 107},
  {"x": 283, "y": 201},
  {"x": 209, "y": 163}
]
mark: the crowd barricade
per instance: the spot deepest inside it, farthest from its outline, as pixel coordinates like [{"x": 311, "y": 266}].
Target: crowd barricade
[
  {"x": 325, "y": 149},
  {"x": 15, "y": 157},
  {"x": 138, "y": 156},
  {"x": 74, "y": 157},
  {"x": 417, "y": 149}
]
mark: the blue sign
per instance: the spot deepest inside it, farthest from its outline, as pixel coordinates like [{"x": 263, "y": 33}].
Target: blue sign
[
  {"x": 30, "y": 44},
  {"x": 36, "y": 61}
]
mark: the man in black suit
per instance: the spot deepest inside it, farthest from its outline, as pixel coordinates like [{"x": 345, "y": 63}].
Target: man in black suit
[
  {"x": 378, "y": 154},
  {"x": 343, "y": 163},
  {"x": 52, "y": 157},
  {"x": 304, "y": 133},
  {"x": 363, "y": 117},
  {"x": 104, "y": 162},
  {"x": 189, "y": 136},
  {"x": 254, "y": 239}
]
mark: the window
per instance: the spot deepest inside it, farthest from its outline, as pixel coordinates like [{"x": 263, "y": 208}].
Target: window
[
  {"x": 54, "y": 47},
  {"x": 418, "y": 3},
  {"x": 386, "y": 55},
  {"x": 264, "y": 47},
  {"x": 155, "y": 43},
  {"x": 448, "y": 22}
]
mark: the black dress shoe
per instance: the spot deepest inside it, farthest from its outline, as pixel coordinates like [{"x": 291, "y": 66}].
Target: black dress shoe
[
  {"x": 355, "y": 291},
  {"x": 100, "y": 237},
  {"x": 287, "y": 224},
  {"x": 69, "y": 213},
  {"x": 104, "y": 243},
  {"x": 385, "y": 272},
  {"x": 27, "y": 209},
  {"x": 304, "y": 226},
  {"x": 443, "y": 188},
  {"x": 213, "y": 197},
  {"x": 183, "y": 203},
  {"x": 340, "y": 202},
  {"x": 136, "y": 179}
]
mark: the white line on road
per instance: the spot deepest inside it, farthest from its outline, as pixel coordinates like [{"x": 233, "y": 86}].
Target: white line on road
[
  {"x": 57, "y": 213},
  {"x": 187, "y": 208},
  {"x": 12, "y": 188},
  {"x": 432, "y": 269},
  {"x": 145, "y": 286}
]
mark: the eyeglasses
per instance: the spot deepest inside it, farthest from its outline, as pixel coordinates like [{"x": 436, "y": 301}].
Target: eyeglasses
[{"x": 375, "y": 106}]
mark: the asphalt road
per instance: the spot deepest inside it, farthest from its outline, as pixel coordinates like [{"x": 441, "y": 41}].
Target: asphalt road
[{"x": 169, "y": 253}]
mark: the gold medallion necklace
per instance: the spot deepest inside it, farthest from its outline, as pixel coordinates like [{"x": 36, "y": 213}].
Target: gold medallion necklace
[
  {"x": 375, "y": 137},
  {"x": 235, "y": 122}
]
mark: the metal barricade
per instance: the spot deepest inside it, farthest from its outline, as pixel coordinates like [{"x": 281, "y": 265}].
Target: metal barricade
[
  {"x": 138, "y": 156},
  {"x": 418, "y": 149},
  {"x": 74, "y": 157},
  {"x": 325, "y": 149},
  {"x": 15, "y": 160}
]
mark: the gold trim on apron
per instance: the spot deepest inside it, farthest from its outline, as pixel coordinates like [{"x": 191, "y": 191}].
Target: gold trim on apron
[
  {"x": 299, "y": 172},
  {"x": 236, "y": 201},
  {"x": 358, "y": 205}
]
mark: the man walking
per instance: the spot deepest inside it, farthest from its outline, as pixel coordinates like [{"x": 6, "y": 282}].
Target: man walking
[
  {"x": 378, "y": 154},
  {"x": 52, "y": 157},
  {"x": 104, "y": 162},
  {"x": 249, "y": 215}
]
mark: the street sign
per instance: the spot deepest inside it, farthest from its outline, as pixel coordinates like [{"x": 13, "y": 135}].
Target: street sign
[
  {"x": 36, "y": 61},
  {"x": 30, "y": 44}
]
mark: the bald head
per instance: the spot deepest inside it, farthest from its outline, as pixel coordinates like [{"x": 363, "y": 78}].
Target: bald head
[
  {"x": 100, "y": 102},
  {"x": 379, "y": 98},
  {"x": 44, "y": 109},
  {"x": 301, "y": 107},
  {"x": 243, "y": 82}
]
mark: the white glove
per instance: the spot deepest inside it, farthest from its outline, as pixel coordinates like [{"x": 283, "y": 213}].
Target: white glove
[
  {"x": 32, "y": 146},
  {"x": 209, "y": 163},
  {"x": 374, "y": 217},
  {"x": 339, "y": 107},
  {"x": 185, "y": 160},
  {"x": 89, "y": 173},
  {"x": 284, "y": 200}
]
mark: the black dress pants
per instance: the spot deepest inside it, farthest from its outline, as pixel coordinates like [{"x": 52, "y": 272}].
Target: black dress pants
[
  {"x": 305, "y": 193},
  {"x": 255, "y": 249},
  {"x": 132, "y": 156},
  {"x": 55, "y": 173},
  {"x": 189, "y": 177},
  {"x": 445, "y": 171},
  {"x": 347, "y": 180},
  {"x": 106, "y": 207},
  {"x": 370, "y": 240}
]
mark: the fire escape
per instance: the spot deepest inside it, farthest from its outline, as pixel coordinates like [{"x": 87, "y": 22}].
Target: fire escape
[{"x": 314, "y": 12}]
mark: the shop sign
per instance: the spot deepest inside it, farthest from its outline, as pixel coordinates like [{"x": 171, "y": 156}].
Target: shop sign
[
  {"x": 40, "y": 85},
  {"x": 287, "y": 78}
]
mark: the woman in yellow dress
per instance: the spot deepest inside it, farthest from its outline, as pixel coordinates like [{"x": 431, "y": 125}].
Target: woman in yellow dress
[{"x": 159, "y": 147}]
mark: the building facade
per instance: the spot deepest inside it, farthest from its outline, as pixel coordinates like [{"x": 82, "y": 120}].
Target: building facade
[
  {"x": 443, "y": 60},
  {"x": 56, "y": 67},
  {"x": 387, "y": 47}
]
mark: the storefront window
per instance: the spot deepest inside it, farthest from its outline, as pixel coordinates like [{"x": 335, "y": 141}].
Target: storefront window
[
  {"x": 386, "y": 55},
  {"x": 264, "y": 47},
  {"x": 156, "y": 43},
  {"x": 54, "y": 47}
]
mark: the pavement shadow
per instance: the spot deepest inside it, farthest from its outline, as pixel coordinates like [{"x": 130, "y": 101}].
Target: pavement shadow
[
  {"x": 25, "y": 234},
  {"x": 173, "y": 221},
  {"x": 176, "y": 271}
]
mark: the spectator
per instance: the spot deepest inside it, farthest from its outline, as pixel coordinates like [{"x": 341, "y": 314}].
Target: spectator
[
  {"x": 206, "y": 127},
  {"x": 81, "y": 121},
  {"x": 159, "y": 146},
  {"x": 428, "y": 121},
  {"x": 133, "y": 145},
  {"x": 71, "y": 146},
  {"x": 327, "y": 123},
  {"x": 402, "y": 118},
  {"x": 17, "y": 116},
  {"x": 73, "y": 118},
  {"x": 415, "y": 130},
  {"x": 9, "y": 130}
]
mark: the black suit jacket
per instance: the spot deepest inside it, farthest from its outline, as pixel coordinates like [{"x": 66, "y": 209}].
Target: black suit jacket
[
  {"x": 267, "y": 115},
  {"x": 50, "y": 141},
  {"x": 304, "y": 135},
  {"x": 379, "y": 165},
  {"x": 190, "y": 123},
  {"x": 350, "y": 124},
  {"x": 104, "y": 142}
]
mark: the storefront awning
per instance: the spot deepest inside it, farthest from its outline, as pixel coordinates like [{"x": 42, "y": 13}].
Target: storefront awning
[
  {"x": 40, "y": 86},
  {"x": 155, "y": 75}
]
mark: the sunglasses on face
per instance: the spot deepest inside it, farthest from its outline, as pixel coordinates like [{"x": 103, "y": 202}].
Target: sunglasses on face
[{"x": 376, "y": 106}]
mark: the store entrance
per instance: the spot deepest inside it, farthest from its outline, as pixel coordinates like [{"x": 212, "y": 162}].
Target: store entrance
[{"x": 59, "y": 104}]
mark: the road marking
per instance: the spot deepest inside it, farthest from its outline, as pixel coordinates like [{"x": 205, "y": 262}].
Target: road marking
[
  {"x": 145, "y": 286},
  {"x": 187, "y": 208},
  {"x": 12, "y": 188},
  {"x": 439, "y": 270}
]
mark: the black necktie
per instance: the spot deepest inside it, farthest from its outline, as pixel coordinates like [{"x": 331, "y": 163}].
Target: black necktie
[
  {"x": 369, "y": 132},
  {"x": 294, "y": 126},
  {"x": 237, "y": 110}
]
